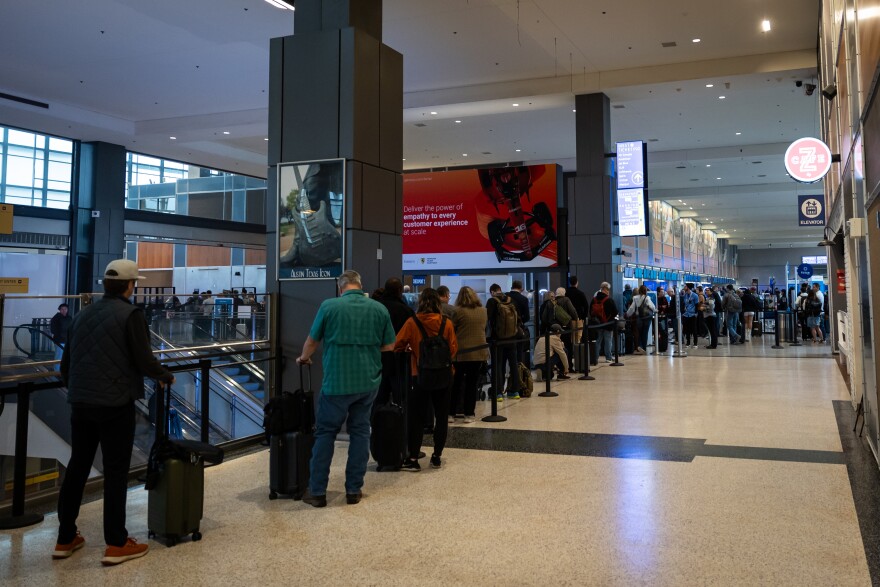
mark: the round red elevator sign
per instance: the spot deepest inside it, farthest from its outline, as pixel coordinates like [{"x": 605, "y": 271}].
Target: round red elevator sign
[{"x": 807, "y": 160}]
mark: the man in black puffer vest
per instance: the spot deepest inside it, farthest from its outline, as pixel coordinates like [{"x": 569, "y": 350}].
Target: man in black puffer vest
[{"x": 104, "y": 364}]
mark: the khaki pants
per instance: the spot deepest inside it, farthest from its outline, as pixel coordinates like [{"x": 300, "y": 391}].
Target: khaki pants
[{"x": 577, "y": 334}]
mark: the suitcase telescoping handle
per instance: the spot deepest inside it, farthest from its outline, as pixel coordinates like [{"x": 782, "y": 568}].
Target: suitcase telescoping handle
[
  {"x": 302, "y": 381},
  {"x": 163, "y": 409}
]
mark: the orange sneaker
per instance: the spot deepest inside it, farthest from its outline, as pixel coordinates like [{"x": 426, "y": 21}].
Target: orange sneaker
[
  {"x": 119, "y": 554},
  {"x": 66, "y": 550}
]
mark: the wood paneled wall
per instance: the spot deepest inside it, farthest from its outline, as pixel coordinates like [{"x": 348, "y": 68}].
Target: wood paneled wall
[
  {"x": 155, "y": 255},
  {"x": 201, "y": 256}
]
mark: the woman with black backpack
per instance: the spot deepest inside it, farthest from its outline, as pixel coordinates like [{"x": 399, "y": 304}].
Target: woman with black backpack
[
  {"x": 431, "y": 338},
  {"x": 813, "y": 309},
  {"x": 642, "y": 308}
]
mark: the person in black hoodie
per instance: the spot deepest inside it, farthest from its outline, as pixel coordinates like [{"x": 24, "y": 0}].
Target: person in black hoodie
[
  {"x": 391, "y": 297},
  {"x": 581, "y": 306},
  {"x": 521, "y": 302},
  {"x": 602, "y": 310}
]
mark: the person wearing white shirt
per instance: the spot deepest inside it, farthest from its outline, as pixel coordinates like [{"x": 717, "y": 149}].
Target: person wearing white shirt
[{"x": 643, "y": 308}]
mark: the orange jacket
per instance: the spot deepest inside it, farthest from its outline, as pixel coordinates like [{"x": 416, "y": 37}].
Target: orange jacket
[{"x": 410, "y": 336}]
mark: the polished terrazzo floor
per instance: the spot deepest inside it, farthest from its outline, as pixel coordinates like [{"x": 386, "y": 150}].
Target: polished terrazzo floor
[{"x": 708, "y": 470}]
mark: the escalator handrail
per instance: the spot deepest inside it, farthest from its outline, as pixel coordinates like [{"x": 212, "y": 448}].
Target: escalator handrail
[{"x": 31, "y": 328}]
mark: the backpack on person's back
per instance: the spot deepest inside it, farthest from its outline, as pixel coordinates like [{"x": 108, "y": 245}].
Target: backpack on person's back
[
  {"x": 734, "y": 303},
  {"x": 560, "y": 315},
  {"x": 597, "y": 311},
  {"x": 506, "y": 319},
  {"x": 435, "y": 358}
]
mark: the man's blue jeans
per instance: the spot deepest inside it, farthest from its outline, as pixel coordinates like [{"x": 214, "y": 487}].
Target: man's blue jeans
[
  {"x": 606, "y": 343},
  {"x": 333, "y": 410},
  {"x": 733, "y": 326}
]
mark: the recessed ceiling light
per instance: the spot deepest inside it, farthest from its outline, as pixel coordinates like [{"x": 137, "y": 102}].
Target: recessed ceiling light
[
  {"x": 702, "y": 204},
  {"x": 708, "y": 165},
  {"x": 464, "y": 154},
  {"x": 173, "y": 138},
  {"x": 518, "y": 150},
  {"x": 515, "y": 104},
  {"x": 681, "y": 201},
  {"x": 457, "y": 122},
  {"x": 433, "y": 113},
  {"x": 722, "y": 97},
  {"x": 710, "y": 85},
  {"x": 765, "y": 25},
  {"x": 574, "y": 109},
  {"x": 739, "y": 133},
  {"x": 226, "y": 132},
  {"x": 265, "y": 139},
  {"x": 696, "y": 41},
  {"x": 717, "y": 178},
  {"x": 404, "y": 159}
]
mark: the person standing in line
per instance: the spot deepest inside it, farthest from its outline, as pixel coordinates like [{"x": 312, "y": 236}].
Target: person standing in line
[
  {"x": 565, "y": 304},
  {"x": 821, "y": 297},
  {"x": 604, "y": 310},
  {"x": 732, "y": 305},
  {"x": 103, "y": 366},
  {"x": 642, "y": 308},
  {"x": 391, "y": 296},
  {"x": 410, "y": 337},
  {"x": 581, "y": 307},
  {"x": 411, "y": 299},
  {"x": 58, "y": 327},
  {"x": 523, "y": 310},
  {"x": 627, "y": 296},
  {"x": 688, "y": 310},
  {"x": 701, "y": 306},
  {"x": 813, "y": 310},
  {"x": 751, "y": 306},
  {"x": 354, "y": 331},
  {"x": 719, "y": 314},
  {"x": 503, "y": 328},
  {"x": 672, "y": 314},
  {"x": 711, "y": 322},
  {"x": 470, "y": 330},
  {"x": 446, "y": 308}
]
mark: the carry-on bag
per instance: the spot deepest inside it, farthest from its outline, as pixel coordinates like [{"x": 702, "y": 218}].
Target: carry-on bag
[
  {"x": 291, "y": 450},
  {"x": 176, "y": 479},
  {"x": 580, "y": 355},
  {"x": 388, "y": 439}
]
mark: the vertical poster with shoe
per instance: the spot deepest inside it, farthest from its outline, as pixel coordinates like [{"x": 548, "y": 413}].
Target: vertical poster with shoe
[
  {"x": 311, "y": 197},
  {"x": 481, "y": 218}
]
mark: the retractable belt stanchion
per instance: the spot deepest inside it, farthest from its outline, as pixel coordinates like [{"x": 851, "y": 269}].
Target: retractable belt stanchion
[
  {"x": 549, "y": 370},
  {"x": 679, "y": 347},
  {"x": 656, "y": 333},
  {"x": 776, "y": 344},
  {"x": 795, "y": 327},
  {"x": 616, "y": 342},
  {"x": 20, "y": 519},
  {"x": 586, "y": 354},
  {"x": 497, "y": 384}
]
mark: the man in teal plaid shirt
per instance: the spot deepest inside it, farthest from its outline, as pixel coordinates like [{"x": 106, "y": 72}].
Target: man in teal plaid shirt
[{"x": 354, "y": 330}]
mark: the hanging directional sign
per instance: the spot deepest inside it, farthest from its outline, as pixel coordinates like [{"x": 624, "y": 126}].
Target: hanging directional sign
[
  {"x": 805, "y": 271},
  {"x": 811, "y": 211}
]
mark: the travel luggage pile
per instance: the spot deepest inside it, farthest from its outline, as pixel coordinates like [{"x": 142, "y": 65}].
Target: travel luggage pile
[
  {"x": 176, "y": 479},
  {"x": 290, "y": 423},
  {"x": 388, "y": 439}
]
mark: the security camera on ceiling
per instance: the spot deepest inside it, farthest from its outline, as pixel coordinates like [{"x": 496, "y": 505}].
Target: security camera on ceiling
[
  {"x": 798, "y": 83},
  {"x": 809, "y": 89}
]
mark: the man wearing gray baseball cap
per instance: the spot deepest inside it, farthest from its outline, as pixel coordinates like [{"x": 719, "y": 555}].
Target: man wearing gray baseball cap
[{"x": 105, "y": 361}]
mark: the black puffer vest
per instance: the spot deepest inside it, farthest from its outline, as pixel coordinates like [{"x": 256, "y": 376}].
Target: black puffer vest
[{"x": 102, "y": 371}]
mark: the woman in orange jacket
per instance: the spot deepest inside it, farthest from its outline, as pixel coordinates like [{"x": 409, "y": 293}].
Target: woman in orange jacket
[{"x": 409, "y": 337}]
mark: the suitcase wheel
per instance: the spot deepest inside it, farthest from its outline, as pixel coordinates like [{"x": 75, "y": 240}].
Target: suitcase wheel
[
  {"x": 196, "y": 536},
  {"x": 273, "y": 495},
  {"x": 171, "y": 541},
  {"x": 151, "y": 534},
  {"x": 298, "y": 495}
]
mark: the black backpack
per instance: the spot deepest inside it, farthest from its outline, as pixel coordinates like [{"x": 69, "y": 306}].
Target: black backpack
[{"x": 435, "y": 358}]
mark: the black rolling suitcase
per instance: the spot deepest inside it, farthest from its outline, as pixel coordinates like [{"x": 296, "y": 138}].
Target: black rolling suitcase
[
  {"x": 176, "y": 479},
  {"x": 290, "y": 424},
  {"x": 388, "y": 438},
  {"x": 662, "y": 336}
]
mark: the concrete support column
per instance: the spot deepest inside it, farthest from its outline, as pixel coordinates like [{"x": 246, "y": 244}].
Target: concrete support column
[
  {"x": 336, "y": 91},
  {"x": 592, "y": 199},
  {"x": 97, "y": 239}
]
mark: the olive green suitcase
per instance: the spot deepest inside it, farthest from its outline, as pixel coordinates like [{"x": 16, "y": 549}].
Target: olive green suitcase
[{"x": 175, "y": 506}]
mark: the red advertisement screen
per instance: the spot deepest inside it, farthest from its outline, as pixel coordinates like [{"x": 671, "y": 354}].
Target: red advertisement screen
[{"x": 503, "y": 217}]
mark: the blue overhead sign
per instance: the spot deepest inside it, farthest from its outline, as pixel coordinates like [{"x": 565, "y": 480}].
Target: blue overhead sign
[
  {"x": 630, "y": 165},
  {"x": 805, "y": 271},
  {"x": 811, "y": 211}
]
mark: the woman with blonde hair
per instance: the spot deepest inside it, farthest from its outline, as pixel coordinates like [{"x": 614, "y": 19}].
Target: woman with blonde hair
[
  {"x": 470, "y": 329},
  {"x": 642, "y": 308}
]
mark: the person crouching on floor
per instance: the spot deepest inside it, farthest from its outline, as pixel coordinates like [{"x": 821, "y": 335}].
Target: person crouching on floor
[{"x": 558, "y": 358}]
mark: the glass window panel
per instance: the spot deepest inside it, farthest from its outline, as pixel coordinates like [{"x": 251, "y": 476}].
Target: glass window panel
[
  {"x": 61, "y": 145},
  {"x": 59, "y": 171},
  {"x": 20, "y": 171},
  {"x": 17, "y": 137}
]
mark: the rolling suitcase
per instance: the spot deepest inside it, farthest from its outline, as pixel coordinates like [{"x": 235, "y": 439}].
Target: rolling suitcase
[
  {"x": 176, "y": 480},
  {"x": 580, "y": 355},
  {"x": 291, "y": 450},
  {"x": 388, "y": 439},
  {"x": 663, "y": 336}
]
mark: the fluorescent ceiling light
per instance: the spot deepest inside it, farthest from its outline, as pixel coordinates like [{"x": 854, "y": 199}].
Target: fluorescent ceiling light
[
  {"x": 710, "y": 85},
  {"x": 739, "y": 133},
  {"x": 765, "y": 25},
  {"x": 457, "y": 122},
  {"x": 696, "y": 40},
  {"x": 173, "y": 138},
  {"x": 433, "y": 114},
  {"x": 226, "y": 132},
  {"x": 281, "y": 4},
  {"x": 515, "y": 105},
  {"x": 721, "y": 97},
  {"x": 464, "y": 154},
  {"x": 518, "y": 150}
]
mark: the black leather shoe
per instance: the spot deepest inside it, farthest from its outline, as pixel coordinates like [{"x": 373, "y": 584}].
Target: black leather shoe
[
  {"x": 353, "y": 498},
  {"x": 316, "y": 501}
]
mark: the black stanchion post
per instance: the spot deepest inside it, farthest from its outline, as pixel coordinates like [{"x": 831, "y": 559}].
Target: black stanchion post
[
  {"x": 497, "y": 385},
  {"x": 616, "y": 343},
  {"x": 205, "y": 369},
  {"x": 548, "y": 369},
  {"x": 19, "y": 519},
  {"x": 795, "y": 327},
  {"x": 776, "y": 344},
  {"x": 586, "y": 355}
]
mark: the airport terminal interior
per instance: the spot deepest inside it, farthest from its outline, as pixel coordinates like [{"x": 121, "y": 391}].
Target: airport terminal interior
[{"x": 244, "y": 153}]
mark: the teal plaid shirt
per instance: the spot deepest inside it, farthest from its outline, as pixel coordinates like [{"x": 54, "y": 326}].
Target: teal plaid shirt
[{"x": 353, "y": 329}]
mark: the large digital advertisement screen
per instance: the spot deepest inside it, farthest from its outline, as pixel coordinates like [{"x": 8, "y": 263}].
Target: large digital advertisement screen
[
  {"x": 310, "y": 213},
  {"x": 630, "y": 165},
  {"x": 631, "y": 216},
  {"x": 478, "y": 219}
]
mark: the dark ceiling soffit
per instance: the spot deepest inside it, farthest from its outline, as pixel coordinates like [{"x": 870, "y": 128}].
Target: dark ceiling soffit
[
  {"x": 21, "y": 100},
  {"x": 193, "y": 221},
  {"x": 37, "y": 212}
]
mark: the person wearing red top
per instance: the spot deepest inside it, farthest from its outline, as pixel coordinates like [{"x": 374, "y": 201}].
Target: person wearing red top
[{"x": 409, "y": 337}]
